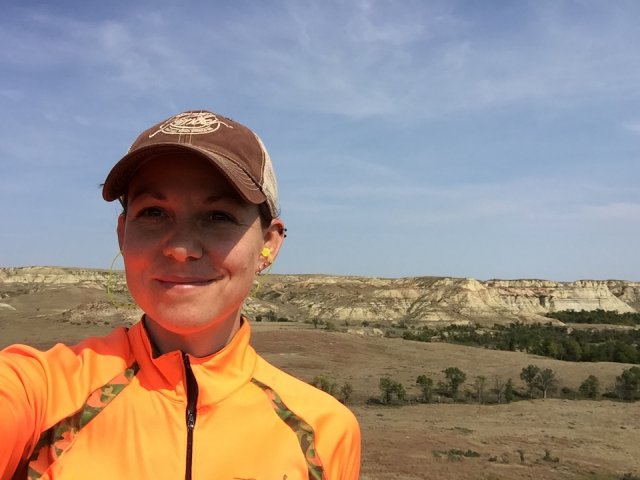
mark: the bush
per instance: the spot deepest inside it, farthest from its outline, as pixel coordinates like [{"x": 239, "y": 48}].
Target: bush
[
  {"x": 343, "y": 394},
  {"x": 509, "y": 391},
  {"x": 392, "y": 391},
  {"x": 628, "y": 384},
  {"x": 455, "y": 455},
  {"x": 590, "y": 388},
  {"x": 455, "y": 377},
  {"x": 534, "y": 377},
  {"x": 426, "y": 388},
  {"x": 569, "y": 394},
  {"x": 323, "y": 383},
  {"x": 528, "y": 375}
]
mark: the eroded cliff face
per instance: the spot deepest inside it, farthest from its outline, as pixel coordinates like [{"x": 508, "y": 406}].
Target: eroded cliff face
[
  {"x": 430, "y": 299},
  {"x": 53, "y": 276},
  {"x": 353, "y": 300}
]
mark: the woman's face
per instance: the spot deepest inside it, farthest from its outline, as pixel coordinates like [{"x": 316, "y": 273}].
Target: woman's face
[{"x": 190, "y": 244}]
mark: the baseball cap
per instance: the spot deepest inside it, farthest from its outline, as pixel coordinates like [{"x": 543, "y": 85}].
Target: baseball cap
[{"x": 234, "y": 149}]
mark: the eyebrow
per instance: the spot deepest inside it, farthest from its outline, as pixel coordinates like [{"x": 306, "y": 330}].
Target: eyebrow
[{"x": 142, "y": 192}]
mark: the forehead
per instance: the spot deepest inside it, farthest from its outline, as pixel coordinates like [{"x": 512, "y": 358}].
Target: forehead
[{"x": 180, "y": 173}]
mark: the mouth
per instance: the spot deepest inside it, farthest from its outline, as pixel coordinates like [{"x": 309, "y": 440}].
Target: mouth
[{"x": 172, "y": 281}]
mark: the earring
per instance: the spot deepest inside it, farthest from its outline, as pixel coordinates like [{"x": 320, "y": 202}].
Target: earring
[{"x": 266, "y": 254}]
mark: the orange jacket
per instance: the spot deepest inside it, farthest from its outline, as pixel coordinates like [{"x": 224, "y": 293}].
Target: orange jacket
[{"x": 106, "y": 408}]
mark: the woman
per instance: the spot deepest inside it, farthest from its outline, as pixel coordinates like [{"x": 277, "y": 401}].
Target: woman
[{"x": 181, "y": 394}]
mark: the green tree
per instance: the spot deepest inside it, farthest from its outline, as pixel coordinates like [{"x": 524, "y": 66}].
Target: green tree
[
  {"x": 509, "y": 391},
  {"x": 391, "y": 389},
  {"x": 628, "y": 384},
  {"x": 590, "y": 388},
  {"x": 573, "y": 350},
  {"x": 528, "y": 375},
  {"x": 455, "y": 377},
  {"x": 546, "y": 381},
  {"x": 426, "y": 387}
]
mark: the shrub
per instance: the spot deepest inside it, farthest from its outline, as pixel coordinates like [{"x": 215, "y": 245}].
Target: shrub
[
  {"x": 455, "y": 377},
  {"x": 628, "y": 384},
  {"x": 590, "y": 388},
  {"x": 528, "y": 375},
  {"x": 345, "y": 392},
  {"x": 426, "y": 388},
  {"x": 392, "y": 391},
  {"x": 509, "y": 391},
  {"x": 324, "y": 384},
  {"x": 534, "y": 377}
]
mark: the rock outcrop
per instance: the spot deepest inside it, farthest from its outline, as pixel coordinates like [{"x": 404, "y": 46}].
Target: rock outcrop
[{"x": 431, "y": 299}]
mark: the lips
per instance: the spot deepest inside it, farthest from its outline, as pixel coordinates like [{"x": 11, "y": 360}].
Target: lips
[{"x": 183, "y": 281}]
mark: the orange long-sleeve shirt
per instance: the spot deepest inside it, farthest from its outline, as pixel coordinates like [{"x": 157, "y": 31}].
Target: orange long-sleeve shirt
[{"x": 107, "y": 408}]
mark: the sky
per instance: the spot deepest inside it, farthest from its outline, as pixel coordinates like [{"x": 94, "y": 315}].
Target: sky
[{"x": 494, "y": 139}]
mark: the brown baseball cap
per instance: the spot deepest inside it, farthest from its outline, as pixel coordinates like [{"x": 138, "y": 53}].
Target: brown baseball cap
[{"x": 234, "y": 149}]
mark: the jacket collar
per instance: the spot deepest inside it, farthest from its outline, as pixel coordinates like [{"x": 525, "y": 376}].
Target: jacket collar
[{"x": 218, "y": 375}]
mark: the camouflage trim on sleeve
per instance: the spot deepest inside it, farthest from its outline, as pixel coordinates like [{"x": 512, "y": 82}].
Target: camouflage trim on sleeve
[
  {"x": 58, "y": 438},
  {"x": 302, "y": 430}
]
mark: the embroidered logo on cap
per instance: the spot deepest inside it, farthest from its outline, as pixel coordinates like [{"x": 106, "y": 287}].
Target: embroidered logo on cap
[{"x": 191, "y": 123}]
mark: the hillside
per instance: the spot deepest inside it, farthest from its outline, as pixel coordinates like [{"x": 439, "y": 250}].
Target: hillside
[{"x": 353, "y": 300}]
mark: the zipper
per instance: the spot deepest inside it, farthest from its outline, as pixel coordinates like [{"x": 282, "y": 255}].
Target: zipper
[{"x": 191, "y": 412}]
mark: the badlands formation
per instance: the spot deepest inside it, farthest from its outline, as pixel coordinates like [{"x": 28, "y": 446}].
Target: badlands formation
[{"x": 354, "y": 300}]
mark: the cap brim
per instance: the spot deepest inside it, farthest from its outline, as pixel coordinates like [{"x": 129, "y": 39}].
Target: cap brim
[{"x": 117, "y": 182}]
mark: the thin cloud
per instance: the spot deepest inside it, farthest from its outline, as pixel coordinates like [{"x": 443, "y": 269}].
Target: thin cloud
[
  {"x": 356, "y": 59},
  {"x": 632, "y": 127}
]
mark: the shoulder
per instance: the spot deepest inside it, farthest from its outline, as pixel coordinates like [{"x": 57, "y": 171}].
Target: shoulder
[
  {"x": 297, "y": 393},
  {"x": 335, "y": 428},
  {"x": 40, "y": 388},
  {"x": 56, "y": 382},
  {"x": 95, "y": 354}
]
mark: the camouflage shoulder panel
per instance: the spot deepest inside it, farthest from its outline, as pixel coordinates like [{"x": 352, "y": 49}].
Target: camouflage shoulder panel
[
  {"x": 302, "y": 430},
  {"x": 54, "y": 441}
]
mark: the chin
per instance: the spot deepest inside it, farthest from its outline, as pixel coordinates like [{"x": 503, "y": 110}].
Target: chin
[{"x": 182, "y": 322}]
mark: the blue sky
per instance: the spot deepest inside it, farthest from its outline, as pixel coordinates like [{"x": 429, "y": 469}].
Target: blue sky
[{"x": 495, "y": 139}]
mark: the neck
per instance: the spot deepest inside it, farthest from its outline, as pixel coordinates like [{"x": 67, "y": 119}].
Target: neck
[{"x": 200, "y": 343}]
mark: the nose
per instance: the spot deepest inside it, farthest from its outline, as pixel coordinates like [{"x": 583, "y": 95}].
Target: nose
[{"x": 183, "y": 243}]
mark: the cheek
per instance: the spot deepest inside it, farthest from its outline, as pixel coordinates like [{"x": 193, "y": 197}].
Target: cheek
[{"x": 241, "y": 262}]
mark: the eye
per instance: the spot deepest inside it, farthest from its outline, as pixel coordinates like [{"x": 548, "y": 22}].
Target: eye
[
  {"x": 151, "y": 212},
  {"x": 219, "y": 216}
]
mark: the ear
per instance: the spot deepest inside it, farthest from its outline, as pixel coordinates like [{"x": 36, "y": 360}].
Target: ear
[
  {"x": 273, "y": 237},
  {"x": 120, "y": 229}
]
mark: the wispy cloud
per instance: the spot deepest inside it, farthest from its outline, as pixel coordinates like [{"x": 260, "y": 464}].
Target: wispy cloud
[
  {"x": 357, "y": 59},
  {"x": 632, "y": 127},
  {"x": 359, "y": 64}
]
